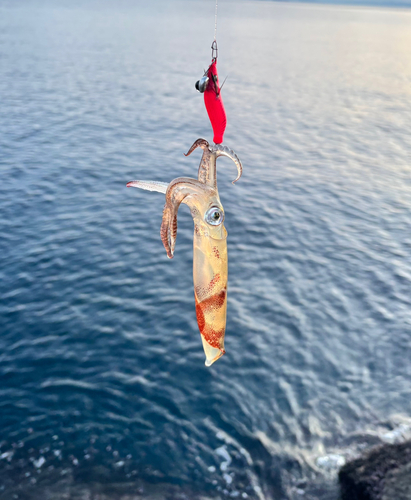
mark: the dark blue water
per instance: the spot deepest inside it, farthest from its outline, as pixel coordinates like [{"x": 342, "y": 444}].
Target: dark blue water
[{"x": 103, "y": 389}]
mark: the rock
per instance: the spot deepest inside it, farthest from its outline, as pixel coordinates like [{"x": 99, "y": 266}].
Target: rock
[{"x": 382, "y": 474}]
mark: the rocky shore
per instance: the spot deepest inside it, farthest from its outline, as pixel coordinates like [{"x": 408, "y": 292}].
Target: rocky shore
[{"x": 382, "y": 474}]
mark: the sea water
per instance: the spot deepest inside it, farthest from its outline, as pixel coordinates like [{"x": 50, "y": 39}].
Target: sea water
[{"x": 103, "y": 388}]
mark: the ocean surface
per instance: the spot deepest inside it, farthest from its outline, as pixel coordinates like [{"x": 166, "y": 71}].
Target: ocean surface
[{"x": 103, "y": 389}]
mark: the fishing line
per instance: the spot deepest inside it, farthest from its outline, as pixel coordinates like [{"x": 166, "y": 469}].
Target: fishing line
[
  {"x": 215, "y": 23},
  {"x": 214, "y": 51}
]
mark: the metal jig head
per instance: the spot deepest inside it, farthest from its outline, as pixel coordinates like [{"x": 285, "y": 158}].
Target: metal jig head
[{"x": 201, "y": 84}]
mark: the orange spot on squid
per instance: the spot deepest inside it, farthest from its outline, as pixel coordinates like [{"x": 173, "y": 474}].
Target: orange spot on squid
[
  {"x": 214, "y": 281},
  {"x": 215, "y": 301},
  {"x": 200, "y": 316},
  {"x": 213, "y": 337}
]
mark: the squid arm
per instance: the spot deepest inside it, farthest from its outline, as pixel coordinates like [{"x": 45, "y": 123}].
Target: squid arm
[
  {"x": 210, "y": 267},
  {"x": 207, "y": 171}
]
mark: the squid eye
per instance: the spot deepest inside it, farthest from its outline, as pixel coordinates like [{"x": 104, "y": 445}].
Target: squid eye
[
  {"x": 201, "y": 84},
  {"x": 214, "y": 216}
]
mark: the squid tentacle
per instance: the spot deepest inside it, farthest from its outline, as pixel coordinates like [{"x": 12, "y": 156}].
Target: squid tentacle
[
  {"x": 206, "y": 175},
  {"x": 179, "y": 191},
  {"x": 202, "y": 143}
]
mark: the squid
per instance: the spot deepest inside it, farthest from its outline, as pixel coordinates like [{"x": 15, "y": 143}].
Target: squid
[{"x": 210, "y": 266}]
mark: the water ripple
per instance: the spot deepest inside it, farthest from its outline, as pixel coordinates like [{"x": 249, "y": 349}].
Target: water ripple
[{"x": 103, "y": 389}]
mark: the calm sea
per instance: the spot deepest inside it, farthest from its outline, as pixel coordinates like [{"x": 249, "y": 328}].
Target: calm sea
[{"x": 103, "y": 389}]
